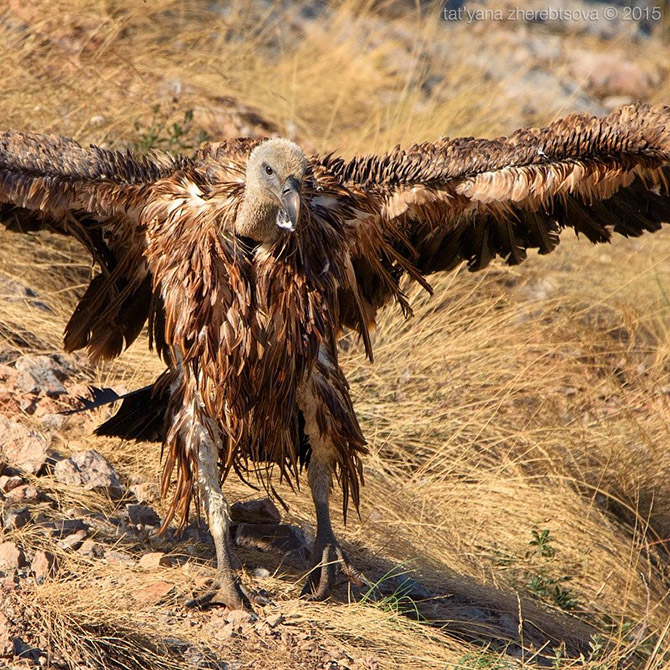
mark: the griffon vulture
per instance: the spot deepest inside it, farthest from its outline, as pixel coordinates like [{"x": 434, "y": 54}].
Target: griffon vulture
[{"x": 249, "y": 259}]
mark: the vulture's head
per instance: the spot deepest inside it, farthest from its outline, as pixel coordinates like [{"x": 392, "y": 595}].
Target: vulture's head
[{"x": 271, "y": 207}]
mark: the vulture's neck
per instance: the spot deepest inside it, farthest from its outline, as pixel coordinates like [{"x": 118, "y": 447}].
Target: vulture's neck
[{"x": 257, "y": 218}]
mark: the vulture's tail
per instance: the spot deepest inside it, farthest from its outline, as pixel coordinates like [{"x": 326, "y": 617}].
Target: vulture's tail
[{"x": 141, "y": 415}]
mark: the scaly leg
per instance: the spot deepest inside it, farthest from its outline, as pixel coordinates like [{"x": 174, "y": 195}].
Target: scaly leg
[
  {"x": 327, "y": 554},
  {"x": 226, "y": 589}
]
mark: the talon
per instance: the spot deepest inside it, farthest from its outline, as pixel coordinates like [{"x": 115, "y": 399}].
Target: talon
[
  {"x": 328, "y": 560},
  {"x": 231, "y": 595}
]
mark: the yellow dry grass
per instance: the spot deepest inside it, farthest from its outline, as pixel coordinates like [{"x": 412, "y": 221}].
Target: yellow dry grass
[{"x": 515, "y": 401}]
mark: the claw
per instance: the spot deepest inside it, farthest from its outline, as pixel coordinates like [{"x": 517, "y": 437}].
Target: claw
[
  {"x": 328, "y": 559},
  {"x": 230, "y": 594}
]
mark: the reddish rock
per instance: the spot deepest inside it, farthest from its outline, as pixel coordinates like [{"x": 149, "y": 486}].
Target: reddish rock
[
  {"x": 145, "y": 492},
  {"x": 43, "y": 374},
  {"x": 11, "y": 557},
  {"x": 155, "y": 559},
  {"x": 8, "y": 483},
  {"x": 15, "y": 517},
  {"x": 73, "y": 541},
  {"x": 26, "y": 493},
  {"x": 152, "y": 594},
  {"x": 113, "y": 556},
  {"x": 43, "y": 565},
  {"x": 90, "y": 470},
  {"x": 92, "y": 549},
  {"x": 6, "y": 636},
  {"x": 21, "y": 447}
]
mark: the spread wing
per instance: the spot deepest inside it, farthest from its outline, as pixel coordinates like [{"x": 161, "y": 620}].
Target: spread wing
[
  {"x": 470, "y": 200},
  {"x": 94, "y": 195}
]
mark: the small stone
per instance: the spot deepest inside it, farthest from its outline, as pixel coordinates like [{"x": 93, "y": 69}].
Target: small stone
[
  {"x": 142, "y": 515},
  {"x": 43, "y": 374},
  {"x": 73, "y": 541},
  {"x": 64, "y": 527},
  {"x": 21, "y": 447},
  {"x": 92, "y": 548},
  {"x": 113, "y": 556},
  {"x": 8, "y": 483},
  {"x": 6, "y": 637},
  {"x": 225, "y": 633},
  {"x": 240, "y": 619},
  {"x": 255, "y": 511},
  {"x": 53, "y": 421},
  {"x": 43, "y": 565},
  {"x": 15, "y": 517},
  {"x": 412, "y": 588},
  {"x": 90, "y": 470},
  {"x": 152, "y": 594},
  {"x": 274, "y": 620},
  {"x": 26, "y": 493},
  {"x": 155, "y": 559},
  {"x": 11, "y": 557},
  {"x": 261, "y": 573},
  {"x": 145, "y": 492}
]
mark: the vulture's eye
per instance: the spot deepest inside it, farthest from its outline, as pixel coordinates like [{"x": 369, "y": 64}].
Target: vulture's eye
[{"x": 269, "y": 170}]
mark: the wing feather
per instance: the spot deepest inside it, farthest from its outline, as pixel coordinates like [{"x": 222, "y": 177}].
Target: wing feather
[
  {"x": 465, "y": 199},
  {"x": 95, "y": 196}
]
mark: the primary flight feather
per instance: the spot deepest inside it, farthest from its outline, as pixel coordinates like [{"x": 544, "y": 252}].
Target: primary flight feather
[{"x": 249, "y": 259}]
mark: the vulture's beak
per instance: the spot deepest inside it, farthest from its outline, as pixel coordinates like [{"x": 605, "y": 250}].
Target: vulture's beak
[{"x": 290, "y": 202}]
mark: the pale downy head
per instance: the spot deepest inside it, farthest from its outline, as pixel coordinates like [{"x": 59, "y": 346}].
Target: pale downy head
[{"x": 271, "y": 206}]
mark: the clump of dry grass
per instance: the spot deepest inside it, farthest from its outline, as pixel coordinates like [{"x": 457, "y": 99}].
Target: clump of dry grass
[{"x": 517, "y": 404}]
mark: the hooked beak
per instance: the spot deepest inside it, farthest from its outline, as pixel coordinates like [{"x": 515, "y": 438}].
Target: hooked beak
[{"x": 290, "y": 202}]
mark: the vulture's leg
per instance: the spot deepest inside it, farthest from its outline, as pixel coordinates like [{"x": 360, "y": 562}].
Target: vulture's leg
[
  {"x": 226, "y": 589},
  {"x": 327, "y": 554}
]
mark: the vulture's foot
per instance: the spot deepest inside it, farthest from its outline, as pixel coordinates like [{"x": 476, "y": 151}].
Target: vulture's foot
[
  {"x": 228, "y": 593},
  {"x": 328, "y": 558}
]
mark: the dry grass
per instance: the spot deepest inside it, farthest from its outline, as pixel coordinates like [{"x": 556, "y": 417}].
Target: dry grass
[{"x": 515, "y": 401}]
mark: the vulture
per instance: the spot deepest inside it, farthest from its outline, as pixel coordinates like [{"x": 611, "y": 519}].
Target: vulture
[{"x": 249, "y": 259}]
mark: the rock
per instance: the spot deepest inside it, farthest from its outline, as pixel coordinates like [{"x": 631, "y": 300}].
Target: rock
[
  {"x": 26, "y": 493},
  {"x": 73, "y": 541},
  {"x": 90, "y": 470},
  {"x": 255, "y": 511},
  {"x": 155, "y": 559},
  {"x": 92, "y": 548},
  {"x": 261, "y": 573},
  {"x": 15, "y": 517},
  {"x": 143, "y": 515},
  {"x": 282, "y": 538},
  {"x": 43, "y": 565},
  {"x": 145, "y": 492},
  {"x": 240, "y": 619},
  {"x": 113, "y": 556},
  {"x": 15, "y": 291},
  {"x": 52, "y": 421},
  {"x": 62, "y": 527},
  {"x": 11, "y": 557},
  {"x": 21, "y": 447},
  {"x": 8, "y": 483},
  {"x": 6, "y": 636},
  {"x": 152, "y": 594},
  {"x": 609, "y": 74},
  {"x": 44, "y": 374},
  {"x": 274, "y": 620},
  {"x": 411, "y": 587}
]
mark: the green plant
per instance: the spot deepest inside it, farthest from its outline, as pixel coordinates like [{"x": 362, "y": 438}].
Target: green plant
[
  {"x": 549, "y": 588},
  {"x": 176, "y": 136},
  {"x": 542, "y": 541},
  {"x": 399, "y": 600}
]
